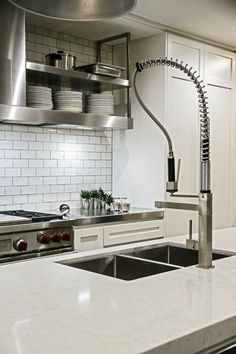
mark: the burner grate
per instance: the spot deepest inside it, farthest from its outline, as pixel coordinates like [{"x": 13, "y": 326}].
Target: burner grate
[{"x": 33, "y": 215}]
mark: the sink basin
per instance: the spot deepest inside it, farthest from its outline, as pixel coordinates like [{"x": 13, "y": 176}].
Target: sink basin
[
  {"x": 171, "y": 254},
  {"x": 122, "y": 267},
  {"x": 142, "y": 262}
]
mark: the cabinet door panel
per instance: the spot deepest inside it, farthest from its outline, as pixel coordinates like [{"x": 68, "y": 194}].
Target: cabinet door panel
[
  {"x": 88, "y": 238},
  {"x": 182, "y": 120},
  {"x": 131, "y": 232},
  {"x": 219, "y": 67},
  {"x": 187, "y": 51},
  {"x": 220, "y": 103},
  {"x": 183, "y": 126},
  {"x": 219, "y": 75}
]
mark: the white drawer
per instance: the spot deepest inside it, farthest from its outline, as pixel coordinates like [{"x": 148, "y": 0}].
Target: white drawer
[
  {"x": 131, "y": 232},
  {"x": 88, "y": 238}
]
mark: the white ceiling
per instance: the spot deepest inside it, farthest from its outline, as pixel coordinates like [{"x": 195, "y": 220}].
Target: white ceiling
[
  {"x": 210, "y": 19},
  {"x": 213, "y": 20},
  {"x": 96, "y": 30}
]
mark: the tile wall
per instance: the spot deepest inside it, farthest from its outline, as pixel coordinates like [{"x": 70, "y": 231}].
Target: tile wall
[
  {"x": 40, "y": 167},
  {"x": 41, "y": 41}
]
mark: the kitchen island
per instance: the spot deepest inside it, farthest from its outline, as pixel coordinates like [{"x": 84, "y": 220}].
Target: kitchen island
[{"x": 47, "y": 307}]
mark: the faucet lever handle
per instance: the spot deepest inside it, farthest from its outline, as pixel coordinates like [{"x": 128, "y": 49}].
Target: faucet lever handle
[
  {"x": 190, "y": 243},
  {"x": 178, "y": 171},
  {"x": 190, "y": 229}
]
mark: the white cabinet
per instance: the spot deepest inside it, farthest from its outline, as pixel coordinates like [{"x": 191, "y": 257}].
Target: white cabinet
[
  {"x": 182, "y": 122},
  {"x": 220, "y": 78},
  {"x": 139, "y": 160},
  {"x": 86, "y": 239},
  {"x": 132, "y": 232},
  {"x": 216, "y": 67},
  {"x": 91, "y": 238}
]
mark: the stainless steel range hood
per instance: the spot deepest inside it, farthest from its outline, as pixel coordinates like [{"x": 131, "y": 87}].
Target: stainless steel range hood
[
  {"x": 13, "y": 67},
  {"x": 60, "y": 119},
  {"x": 12, "y": 55}
]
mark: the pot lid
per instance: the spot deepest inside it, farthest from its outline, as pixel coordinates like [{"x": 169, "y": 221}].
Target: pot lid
[{"x": 59, "y": 54}]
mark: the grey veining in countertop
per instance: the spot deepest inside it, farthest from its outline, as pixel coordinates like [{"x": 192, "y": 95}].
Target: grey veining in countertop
[{"x": 51, "y": 308}]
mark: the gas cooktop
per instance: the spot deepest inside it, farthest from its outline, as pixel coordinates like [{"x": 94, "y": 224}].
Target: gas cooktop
[{"x": 33, "y": 215}]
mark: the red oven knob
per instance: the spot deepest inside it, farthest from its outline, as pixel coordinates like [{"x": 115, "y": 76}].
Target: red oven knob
[
  {"x": 20, "y": 245},
  {"x": 66, "y": 236},
  {"x": 44, "y": 239},
  {"x": 56, "y": 237}
]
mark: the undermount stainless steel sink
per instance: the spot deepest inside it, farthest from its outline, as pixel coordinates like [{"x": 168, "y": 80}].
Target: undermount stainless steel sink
[
  {"x": 172, "y": 254},
  {"x": 122, "y": 267},
  {"x": 142, "y": 261}
]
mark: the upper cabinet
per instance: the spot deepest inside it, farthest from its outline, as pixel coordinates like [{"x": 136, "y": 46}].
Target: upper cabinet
[
  {"x": 219, "y": 75},
  {"x": 182, "y": 122},
  {"x": 217, "y": 68},
  {"x": 173, "y": 98}
]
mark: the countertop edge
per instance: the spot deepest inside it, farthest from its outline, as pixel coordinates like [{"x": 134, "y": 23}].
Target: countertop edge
[{"x": 83, "y": 220}]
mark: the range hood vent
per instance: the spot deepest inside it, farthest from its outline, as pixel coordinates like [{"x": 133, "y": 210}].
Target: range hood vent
[{"x": 61, "y": 119}]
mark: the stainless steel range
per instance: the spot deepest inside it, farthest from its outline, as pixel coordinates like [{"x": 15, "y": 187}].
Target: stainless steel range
[{"x": 27, "y": 234}]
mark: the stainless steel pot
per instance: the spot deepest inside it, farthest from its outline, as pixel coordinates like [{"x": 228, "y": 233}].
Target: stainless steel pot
[{"x": 61, "y": 60}]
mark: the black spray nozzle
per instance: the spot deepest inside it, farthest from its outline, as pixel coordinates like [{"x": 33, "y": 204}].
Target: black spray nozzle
[
  {"x": 139, "y": 66},
  {"x": 171, "y": 169}
]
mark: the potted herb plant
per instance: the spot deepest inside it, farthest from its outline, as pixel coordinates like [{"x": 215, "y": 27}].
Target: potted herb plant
[
  {"x": 109, "y": 201},
  {"x": 85, "y": 197},
  {"x": 102, "y": 198},
  {"x": 94, "y": 198}
]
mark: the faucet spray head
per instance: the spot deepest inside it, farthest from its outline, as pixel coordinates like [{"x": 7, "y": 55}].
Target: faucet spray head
[{"x": 172, "y": 183}]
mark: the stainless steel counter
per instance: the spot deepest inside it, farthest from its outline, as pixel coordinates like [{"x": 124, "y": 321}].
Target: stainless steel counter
[
  {"x": 81, "y": 217},
  {"x": 11, "y": 220}
]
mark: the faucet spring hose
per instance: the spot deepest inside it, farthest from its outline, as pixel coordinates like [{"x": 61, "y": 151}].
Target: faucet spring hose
[{"x": 202, "y": 99}]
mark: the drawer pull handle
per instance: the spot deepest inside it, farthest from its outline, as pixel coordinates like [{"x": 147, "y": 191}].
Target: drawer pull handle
[
  {"x": 129, "y": 232},
  {"x": 88, "y": 238}
]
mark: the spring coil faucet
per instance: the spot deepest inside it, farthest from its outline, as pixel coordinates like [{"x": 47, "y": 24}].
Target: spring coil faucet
[{"x": 204, "y": 207}]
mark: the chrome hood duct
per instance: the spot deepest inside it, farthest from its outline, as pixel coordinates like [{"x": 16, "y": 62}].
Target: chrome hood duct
[{"x": 12, "y": 55}]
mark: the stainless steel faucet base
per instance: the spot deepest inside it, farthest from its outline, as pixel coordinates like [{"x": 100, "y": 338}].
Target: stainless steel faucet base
[
  {"x": 204, "y": 208},
  {"x": 203, "y": 267},
  {"x": 205, "y": 230}
]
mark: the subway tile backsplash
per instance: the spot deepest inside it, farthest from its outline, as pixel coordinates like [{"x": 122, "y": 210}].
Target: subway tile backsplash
[
  {"x": 41, "y": 41},
  {"x": 41, "y": 167}
]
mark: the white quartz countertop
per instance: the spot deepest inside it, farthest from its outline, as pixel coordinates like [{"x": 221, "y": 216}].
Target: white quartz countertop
[{"x": 50, "y": 308}]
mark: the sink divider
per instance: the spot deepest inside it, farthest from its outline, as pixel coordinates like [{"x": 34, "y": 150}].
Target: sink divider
[{"x": 149, "y": 261}]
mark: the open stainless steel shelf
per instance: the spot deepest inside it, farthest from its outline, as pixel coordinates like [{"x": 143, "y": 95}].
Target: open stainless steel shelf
[
  {"x": 49, "y": 75},
  {"x": 61, "y": 119}
]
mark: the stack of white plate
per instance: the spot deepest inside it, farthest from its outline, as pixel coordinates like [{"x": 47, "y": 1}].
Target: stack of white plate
[
  {"x": 39, "y": 97},
  {"x": 68, "y": 101},
  {"x": 100, "y": 103}
]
